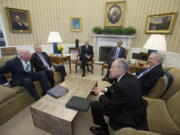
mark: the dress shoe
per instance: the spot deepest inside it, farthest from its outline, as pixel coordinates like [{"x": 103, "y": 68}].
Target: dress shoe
[
  {"x": 83, "y": 75},
  {"x": 99, "y": 131}
]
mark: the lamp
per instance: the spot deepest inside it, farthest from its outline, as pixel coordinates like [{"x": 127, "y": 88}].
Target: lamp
[
  {"x": 155, "y": 42},
  {"x": 54, "y": 37}
]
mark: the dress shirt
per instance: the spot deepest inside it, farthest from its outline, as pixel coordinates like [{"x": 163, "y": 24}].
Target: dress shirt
[
  {"x": 26, "y": 65},
  {"x": 117, "y": 52}
]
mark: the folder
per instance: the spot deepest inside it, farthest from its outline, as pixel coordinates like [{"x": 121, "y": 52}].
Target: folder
[{"x": 78, "y": 103}]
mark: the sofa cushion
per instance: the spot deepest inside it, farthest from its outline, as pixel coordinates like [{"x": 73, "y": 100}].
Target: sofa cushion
[
  {"x": 175, "y": 86},
  {"x": 19, "y": 89},
  {"x": 174, "y": 108},
  {"x": 6, "y": 93},
  {"x": 158, "y": 88},
  {"x": 159, "y": 119},
  {"x": 4, "y": 59},
  {"x": 132, "y": 131}
]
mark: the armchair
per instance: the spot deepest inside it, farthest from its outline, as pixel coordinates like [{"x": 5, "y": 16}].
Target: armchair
[{"x": 78, "y": 63}]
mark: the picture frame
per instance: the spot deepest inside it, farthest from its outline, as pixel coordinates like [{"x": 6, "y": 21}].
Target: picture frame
[
  {"x": 19, "y": 20},
  {"x": 161, "y": 23},
  {"x": 76, "y": 24},
  {"x": 114, "y": 13}
]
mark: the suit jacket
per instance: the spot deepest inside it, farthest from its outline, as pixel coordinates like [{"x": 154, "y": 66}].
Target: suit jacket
[
  {"x": 124, "y": 102},
  {"x": 88, "y": 51},
  {"x": 122, "y": 53},
  {"x": 15, "y": 67},
  {"x": 37, "y": 62},
  {"x": 149, "y": 79}
]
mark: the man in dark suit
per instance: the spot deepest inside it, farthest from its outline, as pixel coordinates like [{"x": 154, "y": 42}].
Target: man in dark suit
[
  {"x": 41, "y": 62},
  {"x": 149, "y": 76},
  {"x": 116, "y": 52},
  {"x": 18, "y": 25},
  {"x": 86, "y": 55},
  {"x": 22, "y": 74},
  {"x": 122, "y": 102}
]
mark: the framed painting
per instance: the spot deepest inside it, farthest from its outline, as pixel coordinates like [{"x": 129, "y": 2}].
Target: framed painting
[
  {"x": 114, "y": 13},
  {"x": 160, "y": 23},
  {"x": 76, "y": 24},
  {"x": 19, "y": 20}
]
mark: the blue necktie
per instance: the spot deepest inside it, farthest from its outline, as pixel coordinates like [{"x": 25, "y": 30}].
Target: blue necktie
[{"x": 117, "y": 53}]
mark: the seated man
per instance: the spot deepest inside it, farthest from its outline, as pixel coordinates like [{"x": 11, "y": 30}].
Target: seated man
[
  {"x": 41, "y": 62},
  {"x": 122, "y": 102},
  {"x": 22, "y": 74},
  {"x": 86, "y": 55},
  {"x": 149, "y": 76},
  {"x": 116, "y": 52}
]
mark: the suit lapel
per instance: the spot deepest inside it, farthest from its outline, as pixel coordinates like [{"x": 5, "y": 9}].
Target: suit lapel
[{"x": 38, "y": 58}]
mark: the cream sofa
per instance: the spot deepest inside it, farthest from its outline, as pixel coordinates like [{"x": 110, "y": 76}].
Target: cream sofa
[{"x": 13, "y": 100}]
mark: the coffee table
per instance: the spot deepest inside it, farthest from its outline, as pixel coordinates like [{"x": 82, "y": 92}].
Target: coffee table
[{"x": 51, "y": 115}]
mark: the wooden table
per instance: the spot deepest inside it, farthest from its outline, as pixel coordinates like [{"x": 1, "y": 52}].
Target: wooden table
[
  {"x": 50, "y": 114},
  {"x": 61, "y": 60}
]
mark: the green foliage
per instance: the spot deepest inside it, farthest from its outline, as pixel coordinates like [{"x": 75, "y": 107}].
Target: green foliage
[
  {"x": 114, "y": 30},
  {"x": 97, "y": 30}
]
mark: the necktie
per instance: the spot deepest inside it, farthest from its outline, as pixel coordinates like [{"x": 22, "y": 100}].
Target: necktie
[
  {"x": 27, "y": 67},
  {"x": 143, "y": 72},
  {"x": 117, "y": 53},
  {"x": 44, "y": 61}
]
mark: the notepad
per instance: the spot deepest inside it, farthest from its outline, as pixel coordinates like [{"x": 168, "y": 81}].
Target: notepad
[
  {"x": 57, "y": 91},
  {"x": 78, "y": 103}
]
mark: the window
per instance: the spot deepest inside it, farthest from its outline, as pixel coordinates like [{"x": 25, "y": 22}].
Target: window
[{"x": 2, "y": 37}]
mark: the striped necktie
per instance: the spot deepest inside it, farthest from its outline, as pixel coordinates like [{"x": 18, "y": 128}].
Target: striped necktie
[{"x": 27, "y": 67}]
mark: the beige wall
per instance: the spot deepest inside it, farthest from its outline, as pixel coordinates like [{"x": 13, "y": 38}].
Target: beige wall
[{"x": 54, "y": 15}]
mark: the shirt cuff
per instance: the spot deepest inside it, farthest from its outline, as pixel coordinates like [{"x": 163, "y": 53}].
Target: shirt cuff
[
  {"x": 105, "y": 90},
  {"x": 5, "y": 84},
  {"x": 101, "y": 93}
]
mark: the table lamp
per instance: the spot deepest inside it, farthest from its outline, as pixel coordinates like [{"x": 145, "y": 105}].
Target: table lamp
[
  {"x": 156, "y": 42},
  {"x": 54, "y": 37}
]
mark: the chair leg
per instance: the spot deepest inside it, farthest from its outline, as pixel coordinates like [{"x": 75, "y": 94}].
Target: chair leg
[
  {"x": 76, "y": 68},
  {"x": 102, "y": 69},
  {"x": 92, "y": 67}
]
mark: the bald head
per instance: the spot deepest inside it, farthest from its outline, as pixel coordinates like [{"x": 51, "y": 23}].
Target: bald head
[
  {"x": 86, "y": 42},
  {"x": 24, "y": 54},
  {"x": 119, "y": 43}
]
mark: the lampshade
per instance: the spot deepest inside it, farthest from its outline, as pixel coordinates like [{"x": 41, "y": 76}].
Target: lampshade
[
  {"x": 54, "y": 37},
  {"x": 156, "y": 42}
]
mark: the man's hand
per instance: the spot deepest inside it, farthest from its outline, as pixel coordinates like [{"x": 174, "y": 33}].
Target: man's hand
[
  {"x": 52, "y": 69},
  {"x": 88, "y": 57},
  {"x": 97, "y": 90}
]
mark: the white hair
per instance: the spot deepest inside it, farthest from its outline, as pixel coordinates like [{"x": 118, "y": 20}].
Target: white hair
[{"x": 122, "y": 63}]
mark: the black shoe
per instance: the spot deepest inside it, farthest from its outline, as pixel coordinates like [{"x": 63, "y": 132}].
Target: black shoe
[
  {"x": 83, "y": 75},
  {"x": 99, "y": 131}
]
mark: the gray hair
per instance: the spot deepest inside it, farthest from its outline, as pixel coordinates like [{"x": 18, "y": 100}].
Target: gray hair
[
  {"x": 159, "y": 57},
  {"x": 122, "y": 63},
  {"x": 37, "y": 46}
]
